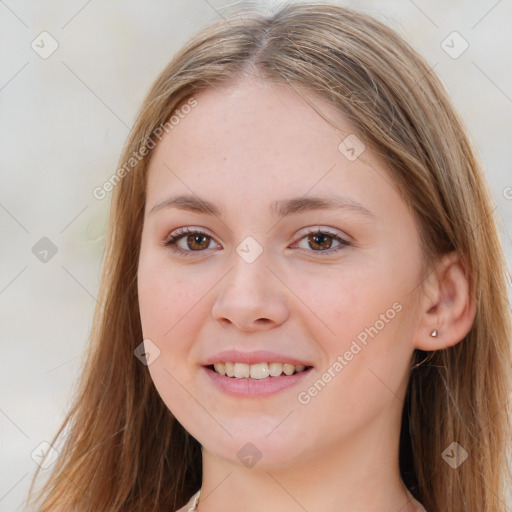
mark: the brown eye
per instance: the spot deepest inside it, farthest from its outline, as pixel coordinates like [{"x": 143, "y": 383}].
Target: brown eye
[
  {"x": 185, "y": 241},
  {"x": 320, "y": 241},
  {"x": 197, "y": 242}
]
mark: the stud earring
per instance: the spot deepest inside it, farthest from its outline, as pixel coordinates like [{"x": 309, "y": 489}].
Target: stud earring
[{"x": 434, "y": 334}]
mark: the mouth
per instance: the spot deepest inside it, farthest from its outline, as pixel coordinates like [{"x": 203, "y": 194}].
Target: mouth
[
  {"x": 257, "y": 371},
  {"x": 257, "y": 380}
]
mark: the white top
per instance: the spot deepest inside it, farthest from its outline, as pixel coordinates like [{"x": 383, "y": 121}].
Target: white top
[
  {"x": 189, "y": 506},
  {"x": 417, "y": 504}
]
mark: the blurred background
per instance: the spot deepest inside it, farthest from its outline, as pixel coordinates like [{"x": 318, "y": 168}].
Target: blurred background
[{"x": 72, "y": 76}]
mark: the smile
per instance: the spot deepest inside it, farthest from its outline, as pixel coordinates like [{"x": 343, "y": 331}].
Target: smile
[
  {"x": 255, "y": 380},
  {"x": 258, "y": 371}
]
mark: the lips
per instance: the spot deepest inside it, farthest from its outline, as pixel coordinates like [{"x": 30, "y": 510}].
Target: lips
[
  {"x": 255, "y": 374},
  {"x": 252, "y": 387},
  {"x": 250, "y": 358}
]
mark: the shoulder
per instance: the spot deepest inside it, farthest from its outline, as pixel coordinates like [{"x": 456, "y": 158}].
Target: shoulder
[
  {"x": 189, "y": 506},
  {"x": 418, "y": 507}
]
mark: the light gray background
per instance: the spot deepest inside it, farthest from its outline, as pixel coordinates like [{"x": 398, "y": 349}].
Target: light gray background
[{"x": 63, "y": 122}]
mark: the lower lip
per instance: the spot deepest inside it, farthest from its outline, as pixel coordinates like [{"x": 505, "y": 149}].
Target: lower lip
[{"x": 254, "y": 387}]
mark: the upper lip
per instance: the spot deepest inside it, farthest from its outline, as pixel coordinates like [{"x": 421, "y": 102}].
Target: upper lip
[{"x": 257, "y": 356}]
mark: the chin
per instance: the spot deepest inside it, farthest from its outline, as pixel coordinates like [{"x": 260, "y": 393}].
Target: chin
[{"x": 257, "y": 449}]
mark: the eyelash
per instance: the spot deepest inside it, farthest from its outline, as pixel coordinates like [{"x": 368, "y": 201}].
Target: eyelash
[{"x": 173, "y": 238}]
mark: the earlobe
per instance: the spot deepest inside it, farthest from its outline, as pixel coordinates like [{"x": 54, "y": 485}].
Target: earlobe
[{"x": 449, "y": 307}]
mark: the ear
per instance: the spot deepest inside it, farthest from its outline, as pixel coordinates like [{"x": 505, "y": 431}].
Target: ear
[{"x": 446, "y": 305}]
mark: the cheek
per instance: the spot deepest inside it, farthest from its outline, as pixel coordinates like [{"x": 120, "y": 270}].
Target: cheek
[
  {"x": 167, "y": 295},
  {"x": 173, "y": 307},
  {"x": 169, "y": 310},
  {"x": 344, "y": 301},
  {"x": 363, "y": 320}
]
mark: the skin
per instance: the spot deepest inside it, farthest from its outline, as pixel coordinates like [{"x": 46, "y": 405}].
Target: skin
[{"x": 243, "y": 146}]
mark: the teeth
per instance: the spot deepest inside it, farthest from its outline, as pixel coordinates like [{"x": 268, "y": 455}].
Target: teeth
[
  {"x": 257, "y": 371},
  {"x": 288, "y": 369},
  {"x": 275, "y": 369},
  {"x": 229, "y": 369},
  {"x": 242, "y": 370},
  {"x": 219, "y": 368}
]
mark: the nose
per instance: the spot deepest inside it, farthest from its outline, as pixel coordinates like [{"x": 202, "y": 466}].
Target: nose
[{"x": 250, "y": 297}]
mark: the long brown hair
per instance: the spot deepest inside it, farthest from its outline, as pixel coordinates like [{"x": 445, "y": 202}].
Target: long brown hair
[{"x": 123, "y": 451}]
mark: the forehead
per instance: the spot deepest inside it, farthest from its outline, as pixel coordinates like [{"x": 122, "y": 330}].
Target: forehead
[
  {"x": 261, "y": 118},
  {"x": 252, "y": 140}
]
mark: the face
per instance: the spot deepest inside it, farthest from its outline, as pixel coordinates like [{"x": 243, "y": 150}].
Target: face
[{"x": 257, "y": 270}]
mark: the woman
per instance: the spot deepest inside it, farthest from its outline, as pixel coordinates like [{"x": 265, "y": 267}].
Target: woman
[{"x": 303, "y": 304}]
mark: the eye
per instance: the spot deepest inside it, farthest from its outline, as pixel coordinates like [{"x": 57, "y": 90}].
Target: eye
[
  {"x": 321, "y": 241},
  {"x": 193, "y": 241}
]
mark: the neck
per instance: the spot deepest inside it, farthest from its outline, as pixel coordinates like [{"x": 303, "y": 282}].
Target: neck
[{"x": 360, "y": 473}]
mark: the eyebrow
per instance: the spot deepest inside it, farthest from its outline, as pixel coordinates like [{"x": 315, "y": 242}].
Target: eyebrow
[{"x": 280, "y": 208}]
